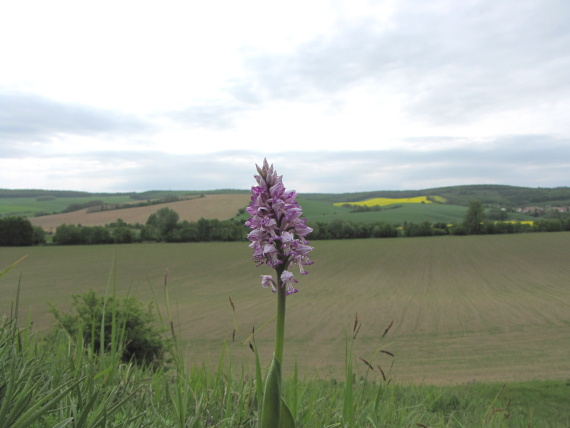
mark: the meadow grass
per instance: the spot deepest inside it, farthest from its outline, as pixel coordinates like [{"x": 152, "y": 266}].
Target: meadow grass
[{"x": 58, "y": 383}]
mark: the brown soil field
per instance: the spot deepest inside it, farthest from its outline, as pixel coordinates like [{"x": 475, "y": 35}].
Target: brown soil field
[
  {"x": 222, "y": 207},
  {"x": 464, "y": 308}
]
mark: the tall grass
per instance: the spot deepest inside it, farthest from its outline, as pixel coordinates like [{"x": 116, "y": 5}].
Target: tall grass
[
  {"x": 58, "y": 384},
  {"x": 61, "y": 383}
]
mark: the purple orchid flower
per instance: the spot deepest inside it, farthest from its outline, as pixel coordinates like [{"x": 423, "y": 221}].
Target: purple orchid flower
[{"x": 278, "y": 231}]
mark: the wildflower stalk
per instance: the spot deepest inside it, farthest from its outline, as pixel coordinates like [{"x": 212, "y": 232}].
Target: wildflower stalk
[{"x": 278, "y": 240}]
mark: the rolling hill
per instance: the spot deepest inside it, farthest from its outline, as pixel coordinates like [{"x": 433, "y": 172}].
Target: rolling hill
[
  {"x": 488, "y": 194},
  {"x": 221, "y": 206},
  {"x": 317, "y": 207}
]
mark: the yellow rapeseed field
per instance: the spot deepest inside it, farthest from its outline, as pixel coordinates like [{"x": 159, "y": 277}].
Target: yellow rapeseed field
[
  {"x": 530, "y": 222},
  {"x": 390, "y": 201}
]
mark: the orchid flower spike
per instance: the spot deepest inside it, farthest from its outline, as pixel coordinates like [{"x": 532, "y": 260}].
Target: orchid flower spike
[{"x": 278, "y": 235}]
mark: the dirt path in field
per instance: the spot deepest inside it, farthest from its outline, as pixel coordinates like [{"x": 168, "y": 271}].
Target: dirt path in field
[{"x": 221, "y": 207}]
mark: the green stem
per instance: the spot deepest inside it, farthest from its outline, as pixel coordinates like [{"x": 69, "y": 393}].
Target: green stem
[{"x": 280, "y": 326}]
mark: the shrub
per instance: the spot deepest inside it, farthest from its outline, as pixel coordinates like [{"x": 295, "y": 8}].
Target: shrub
[
  {"x": 16, "y": 231},
  {"x": 39, "y": 236},
  {"x": 421, "y": 229},
  {"x": 124, "y": 324},
  {"x": 123, "y": 235},
  {"x": 69, "y": 234},
  {"x": 80, "y": 206}
]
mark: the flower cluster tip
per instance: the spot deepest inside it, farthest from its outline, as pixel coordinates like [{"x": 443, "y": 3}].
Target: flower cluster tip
[{"x": 278, "y": 236}]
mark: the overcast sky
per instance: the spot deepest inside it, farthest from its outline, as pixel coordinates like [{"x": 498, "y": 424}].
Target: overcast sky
[{"x": 341, "y": 96}]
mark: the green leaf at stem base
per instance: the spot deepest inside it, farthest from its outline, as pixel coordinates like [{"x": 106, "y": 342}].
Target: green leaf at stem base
[{"x": 271, "y": 406}]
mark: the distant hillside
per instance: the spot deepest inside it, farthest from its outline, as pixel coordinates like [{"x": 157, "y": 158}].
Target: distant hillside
[
  {"x": 34, "y": 202},
  {"x": 222, "y": 207},
  {"x": 149, "y": 194},
  {"x": 488, "y": 194}
]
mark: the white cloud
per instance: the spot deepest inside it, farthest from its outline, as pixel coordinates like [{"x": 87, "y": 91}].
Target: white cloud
[{"x": 419, "y": 92}]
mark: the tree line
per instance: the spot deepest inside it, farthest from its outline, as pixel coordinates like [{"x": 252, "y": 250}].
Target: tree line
[
  {"x": 165, "y": 226},
  {"x": 161, "y": 226},
  {"x": 18, "y": 231},
  {"x": 475, "y": 222}
]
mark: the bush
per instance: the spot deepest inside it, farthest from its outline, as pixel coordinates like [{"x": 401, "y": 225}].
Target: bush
[
  {"x": 39, "y": 236},
  {"x": 80, "y": 206},
  {"x": 497, "y": 214},
  {"x": 458, "y": 229},
  {"x": 16, "y": 231},
  {"x": 421, "y": 229},
  {"x": 123, "y": 323},
  {"x": 69, "y": 234},
  {"x": 549, "y": 225},
  {"x": 383, "y": 230},
  {"x": 123, "y": 235}
]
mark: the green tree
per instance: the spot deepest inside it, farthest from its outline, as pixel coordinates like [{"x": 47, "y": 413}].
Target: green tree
[
  {"x": 39, "y": 235},
  {"x": 205, "y": 229},
  {"x": 161, "y": 224},
  {"x": 96, "y": 235},
  {"x": 383, "y": 230},
  {"x": 497, "y": 214},
  {"x": 189, "y": 232},
  {"x": 418, "y": 229},
  {"x": 68, "y": 234},
  {"x": 123, "y": 235},
  {"x": 341, "y": 229},
  {"x": 474, "y": 218},
  {"x": 16, "y": 231}
]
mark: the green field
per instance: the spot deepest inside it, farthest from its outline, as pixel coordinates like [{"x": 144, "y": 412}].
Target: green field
[
  {"x": 324, "y": 211},
  {"x": 475, "y": 308},
  {"x": 44, "y": 201},
  {"x": 32, "y": 206},
  {"x": 318, "y": 211}
]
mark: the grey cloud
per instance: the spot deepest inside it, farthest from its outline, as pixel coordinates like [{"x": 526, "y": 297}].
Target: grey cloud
[
  {"x": 456, "y": 61},
  {"x": 495, "y": 56},
  {"x": 32, "y": 118},
  {"x": 531, "y": 161},
  {"x": 524, "y": 161},
  {"x": 321, "y": 67}
]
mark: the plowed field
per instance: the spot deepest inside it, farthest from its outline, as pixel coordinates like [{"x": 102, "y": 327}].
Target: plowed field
[
  {"x": 473, "y": 308},
  {"x": 221, "y": 207}
]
